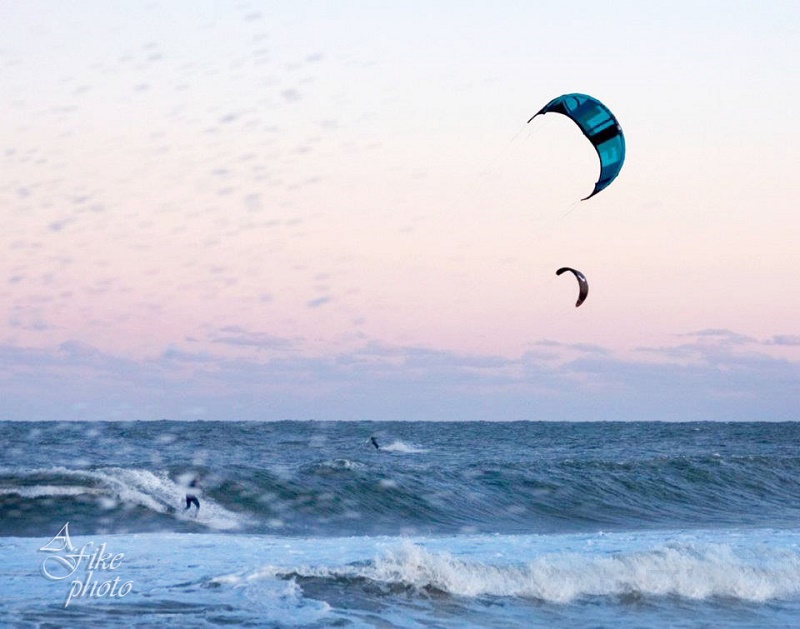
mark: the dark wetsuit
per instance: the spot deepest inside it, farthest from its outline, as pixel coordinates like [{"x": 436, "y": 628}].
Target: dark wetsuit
[
  {"x": 191, "y": 499},
  {"x": 375, "y": 443}
]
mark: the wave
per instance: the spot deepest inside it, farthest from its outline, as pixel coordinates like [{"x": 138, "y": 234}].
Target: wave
[
  {"x": 110, "y": 495},
  {"x": 327, "y": 479},
  {"x": 47, "y": 491},
  {"x": 334, "y": 465},
  {"x": 688, "y": 571},
  {"x": 383, "y": 495},
  {"x": 403, "y": 448}
]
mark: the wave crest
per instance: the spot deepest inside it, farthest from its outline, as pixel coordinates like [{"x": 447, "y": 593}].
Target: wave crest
[
  {"x": 112, "y": 489},
  {"x": 690, "y": 571}
]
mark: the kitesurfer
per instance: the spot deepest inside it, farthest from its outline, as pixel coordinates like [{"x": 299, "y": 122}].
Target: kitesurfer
[
  {"x": 375, "y": 443},
  {"x": 191, "y": 496}
]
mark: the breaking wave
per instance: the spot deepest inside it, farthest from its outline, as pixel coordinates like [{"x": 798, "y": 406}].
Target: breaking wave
[
  {"x": 690, "y": 571},
  {"x": 144, "y": 499}
]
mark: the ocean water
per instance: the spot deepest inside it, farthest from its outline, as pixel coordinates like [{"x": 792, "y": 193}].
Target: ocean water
[{"x": 307, "y": 524}]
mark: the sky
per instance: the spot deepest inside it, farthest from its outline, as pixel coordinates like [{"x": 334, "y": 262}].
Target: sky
[{"x": 338, "y": 211}]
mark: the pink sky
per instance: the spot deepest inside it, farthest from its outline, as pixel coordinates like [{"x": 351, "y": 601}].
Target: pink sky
[{"x": 206, "y": 208}]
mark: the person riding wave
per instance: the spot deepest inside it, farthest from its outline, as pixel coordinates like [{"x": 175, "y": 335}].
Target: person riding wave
[{"x": 191, "y": 496}]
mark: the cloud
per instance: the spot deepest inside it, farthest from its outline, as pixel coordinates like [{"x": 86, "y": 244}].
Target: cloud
[
  {"x": 291, "y": 95},
  {"x": 718, "y": 335},
  {"x": 587, "y": 348},
  {"x": 176, "y": 355},
  {"x": 34, "y": 325},
  {"x": 319, "y": 301},
  {"x": 710, "y": 378},
  {"x": 785, "y": 339},
  {"x": 238, "y": 336},
  {"x": 705, "y": 347}
]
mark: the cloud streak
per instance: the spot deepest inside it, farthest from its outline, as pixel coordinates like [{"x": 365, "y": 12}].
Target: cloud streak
[{"x": 717, "y": 376}]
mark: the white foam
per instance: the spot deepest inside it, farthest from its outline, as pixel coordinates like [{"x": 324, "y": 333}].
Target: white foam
[
  {"x": 689, "y": 571},
  {"x": 404, "y": 448},
  {"x": 46, "y": 491},
  {"x": 159, "y": 493},
  {"x": 132, "y": 487},
  {"x": 340, "y": 464},
  {"x": 282, "y": 600}
]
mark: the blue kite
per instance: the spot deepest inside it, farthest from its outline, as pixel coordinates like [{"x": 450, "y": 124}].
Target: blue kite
[{"x": 601, "y": 128}]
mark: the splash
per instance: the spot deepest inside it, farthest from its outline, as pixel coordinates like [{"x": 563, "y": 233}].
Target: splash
[
  {"x": 120, "y": 488},
  {"x": 690, "y": 571},
  {"x": 403, "y": 448}
]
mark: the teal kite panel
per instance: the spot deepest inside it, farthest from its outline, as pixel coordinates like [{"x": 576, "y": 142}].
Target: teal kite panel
[{"x": 600, "y": 126}]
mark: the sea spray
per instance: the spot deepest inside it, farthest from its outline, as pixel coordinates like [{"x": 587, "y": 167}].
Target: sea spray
[{"x": 698, "y": 571}]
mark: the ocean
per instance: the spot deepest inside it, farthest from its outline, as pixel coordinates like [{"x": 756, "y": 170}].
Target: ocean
[{"x": 474, "y": 524}]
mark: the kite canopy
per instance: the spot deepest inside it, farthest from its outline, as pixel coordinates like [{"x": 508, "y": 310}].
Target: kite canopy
[
  {"x": 601, "y": 128},
  {"x": 583, "y": 285}
]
